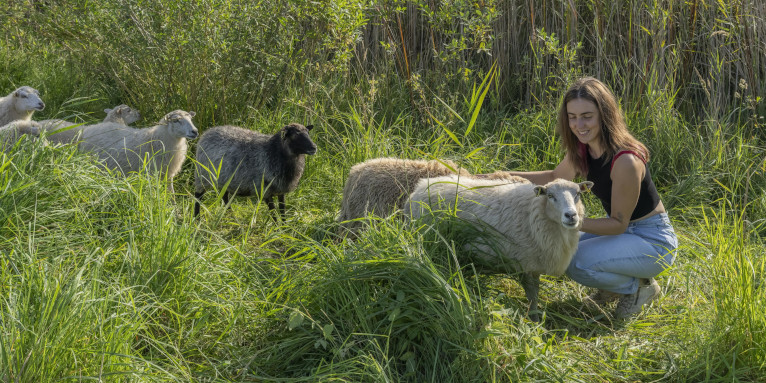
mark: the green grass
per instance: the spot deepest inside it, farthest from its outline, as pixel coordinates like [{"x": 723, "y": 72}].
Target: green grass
[{"x": 110, "y": 278}]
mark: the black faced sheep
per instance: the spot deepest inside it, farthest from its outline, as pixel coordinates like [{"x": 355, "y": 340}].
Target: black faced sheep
[
  {"x": 536, "y": 228},
  {"x": 20, "y": 104},
  {"x": 127, "y": 149},
  {"x": 254, "y": 164}
]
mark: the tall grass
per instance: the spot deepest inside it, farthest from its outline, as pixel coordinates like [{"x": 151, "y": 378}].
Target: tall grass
[{"x": 109, "y": 278}]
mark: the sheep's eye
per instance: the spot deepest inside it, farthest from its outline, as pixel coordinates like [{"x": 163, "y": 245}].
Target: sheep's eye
[
  {"x": 23, "y": 96},
  {"x": 551, "y": 196}
]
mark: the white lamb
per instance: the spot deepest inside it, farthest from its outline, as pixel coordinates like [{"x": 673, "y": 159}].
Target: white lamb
[
  {"x": 66, "y": 132},
  {"x": 532, "y": 229},
  {"x": 126, "y": 149},
  {"x": 20, "y": 104},
  {"x": 11, "y": 132}
]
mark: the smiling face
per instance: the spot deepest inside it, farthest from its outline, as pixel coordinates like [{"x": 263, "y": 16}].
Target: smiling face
[{"x": 585, "y": 122}]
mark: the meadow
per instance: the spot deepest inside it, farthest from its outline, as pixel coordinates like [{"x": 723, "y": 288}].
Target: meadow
[{"x": 106, "y": 278}]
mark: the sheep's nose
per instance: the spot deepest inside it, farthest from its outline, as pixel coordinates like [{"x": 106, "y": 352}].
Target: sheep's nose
[
  {"x": 41, "y": 105},
  {"x": 570, "y": 215}
]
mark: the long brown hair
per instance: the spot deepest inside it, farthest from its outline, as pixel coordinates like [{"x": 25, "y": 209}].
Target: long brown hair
[{"x": 614, "y": 131}]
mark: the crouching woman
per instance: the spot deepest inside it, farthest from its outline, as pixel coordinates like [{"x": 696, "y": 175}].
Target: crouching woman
[{"x": 621, "y": 254}]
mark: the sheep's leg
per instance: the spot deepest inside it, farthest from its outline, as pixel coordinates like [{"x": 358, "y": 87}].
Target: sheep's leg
[
  {"x": 281, "y": 199},
  {"x": 225, "y": 198},
  {"x": 273, "y": 208},
  {"x": 531, "y": 284},
  {"x": 197, "y": 197}
]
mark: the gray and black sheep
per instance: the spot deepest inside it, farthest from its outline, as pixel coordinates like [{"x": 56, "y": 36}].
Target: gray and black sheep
[{"x": 254, "y": 164}]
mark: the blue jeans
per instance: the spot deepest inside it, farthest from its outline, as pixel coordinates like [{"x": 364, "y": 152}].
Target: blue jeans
[{"x": 616, "y": 262}]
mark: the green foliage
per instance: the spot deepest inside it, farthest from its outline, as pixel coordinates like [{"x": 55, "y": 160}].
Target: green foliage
[{"x": 109, "y": 278}]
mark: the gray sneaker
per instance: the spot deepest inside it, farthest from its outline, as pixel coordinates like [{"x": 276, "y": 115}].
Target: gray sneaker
[
  {"x": 631, "y": 304},
  {"x": 601, "y": 298}
]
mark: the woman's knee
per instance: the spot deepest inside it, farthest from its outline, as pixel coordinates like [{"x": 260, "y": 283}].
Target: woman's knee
[{"x": 580, "y": 274}]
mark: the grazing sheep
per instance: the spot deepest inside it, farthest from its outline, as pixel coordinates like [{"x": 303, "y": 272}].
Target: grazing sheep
[
  {"x": 536, "y": 228},
  {"x": 58, "y": 132},
  {"x": 380, "y": 186},
  {"x": 20, "y": 104},
  {"x": 11, "y": 132},
  {"x": 252, "y": 162},
  {"x": 125, "y": 149},
  {"x": 65, "y": 132}
]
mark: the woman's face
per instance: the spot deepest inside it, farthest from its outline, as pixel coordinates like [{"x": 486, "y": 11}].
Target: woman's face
[{"x": 584, "y": 121}]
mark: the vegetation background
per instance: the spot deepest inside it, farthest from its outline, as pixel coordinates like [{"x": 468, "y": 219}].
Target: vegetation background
[{"x": 109, "y": 279}]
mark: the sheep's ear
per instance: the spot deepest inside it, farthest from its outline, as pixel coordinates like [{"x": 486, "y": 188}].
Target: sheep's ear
[
  {"x": 309, "y": 127},
  {"x": 539, "y": 190},
  {"x": 16, "y": 94},
  {"x": 107, "y": 110},
  {"x": 585, "y": 186},
  {"x": 283, "y": 133},
  {"x": 191, "y": 113}
]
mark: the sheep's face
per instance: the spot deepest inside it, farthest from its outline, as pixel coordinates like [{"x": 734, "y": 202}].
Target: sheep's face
[
  {"x": 27, "y": 99},
  {"x": 564, "y": 204},
  {"x": 297, "y": 140},
  {"x": 179, "y": 124},
  {"x": 123, "y": 114}
]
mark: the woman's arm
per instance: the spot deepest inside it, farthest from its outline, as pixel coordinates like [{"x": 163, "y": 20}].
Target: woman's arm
[
  {"x": 626, "y": 185},
  {"x": 563, "y": 170}
]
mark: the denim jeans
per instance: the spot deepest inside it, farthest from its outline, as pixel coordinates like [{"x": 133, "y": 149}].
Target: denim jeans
[{"x": 616, "y": 262}]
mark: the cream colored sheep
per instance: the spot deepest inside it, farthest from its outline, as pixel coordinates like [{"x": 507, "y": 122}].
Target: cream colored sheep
[
  {"x": 65, "y": 132},
  {"x": 126, "y": 149},
  {"x": 11, "y": 132},
  {"x": 380, "y": 186},
  {"x": 531, "y": 229},
  {"x": 20, "y": 104}
]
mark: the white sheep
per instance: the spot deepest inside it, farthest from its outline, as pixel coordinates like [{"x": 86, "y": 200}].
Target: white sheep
[
  {"x": 126, "y": 149},
  {"x": 530, "y": 229},
  {"x": 122, "y": 114},
  {"x": 20, "y": 104},
  {"x": 65, "y": 132},
  {"x": 12, "y": 131},
  {"x": 380, "y": 186}
]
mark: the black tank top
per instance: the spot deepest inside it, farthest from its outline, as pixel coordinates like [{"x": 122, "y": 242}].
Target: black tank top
[{"x": 599, "y": 173}]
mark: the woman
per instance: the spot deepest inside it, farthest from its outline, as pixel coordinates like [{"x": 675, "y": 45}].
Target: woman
[{"x": 621, "y": 254}]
